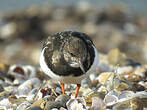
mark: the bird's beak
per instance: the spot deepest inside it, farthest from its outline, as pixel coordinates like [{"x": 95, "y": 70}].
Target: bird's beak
[{"x": 82, "y": 67}]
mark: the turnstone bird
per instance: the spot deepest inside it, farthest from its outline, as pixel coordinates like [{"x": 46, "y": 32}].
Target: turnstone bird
[{"x": 68, "y": 57}]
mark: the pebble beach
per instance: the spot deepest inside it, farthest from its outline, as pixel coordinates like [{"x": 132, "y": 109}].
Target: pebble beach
[{"x": 120, "y": 36}]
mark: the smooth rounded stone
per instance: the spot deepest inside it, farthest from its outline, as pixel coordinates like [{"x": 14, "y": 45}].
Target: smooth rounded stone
[
  {"x": 115, "y": 57},
  {"x": 23, "y": 106},
  {"x": 124, "y": 95},
  {"x": 110, "y": 100},
  {"x": 28, "y": 85},
  {"x": 50, "y": 105},
  {"x": 49, "y": 102},
  {"x": 38, "y": 103},
  {"x": 62, "y": 99},
  {"x": 76, "y": 104},
  {"x": 97, "y": 104}
]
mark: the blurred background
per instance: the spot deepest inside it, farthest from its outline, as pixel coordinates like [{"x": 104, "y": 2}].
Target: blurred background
[{"x": 24, "y": 24}]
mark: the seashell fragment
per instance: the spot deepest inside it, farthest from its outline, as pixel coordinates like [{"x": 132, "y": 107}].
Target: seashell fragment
[
  {"x": 23, "y": 106},
  {"x": 15, "y": 100},
  {"x": 125, "y": 95},
  {"x": 104, "y": 77},
  {"x": 5, "y": 102},
  {"x": 110, "y": 100},
  {"x": 76, "y": 104},
  {"x": 28, "y": 85},
  {"x": 97, "y": 104}
]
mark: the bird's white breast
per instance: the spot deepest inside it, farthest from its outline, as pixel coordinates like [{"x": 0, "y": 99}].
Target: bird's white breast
[{"x": 68, "y": 79}]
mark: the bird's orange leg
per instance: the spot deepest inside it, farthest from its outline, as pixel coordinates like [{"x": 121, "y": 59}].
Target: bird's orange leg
[
  {"x": 62, "y": 87},
  {"x": 77, "y": 92}
]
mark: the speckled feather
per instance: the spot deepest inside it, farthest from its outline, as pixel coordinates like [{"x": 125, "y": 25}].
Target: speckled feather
[{"x": 54, "y": 53}]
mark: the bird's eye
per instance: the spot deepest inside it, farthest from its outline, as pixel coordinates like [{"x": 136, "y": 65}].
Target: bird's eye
[{"x": 72, "y": 54}]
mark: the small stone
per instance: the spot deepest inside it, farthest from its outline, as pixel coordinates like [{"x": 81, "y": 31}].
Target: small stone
[
  {"x": 62, "y": 99},
  {"x": 50, "y": 105},
  {"x": 37, "y": 103}
]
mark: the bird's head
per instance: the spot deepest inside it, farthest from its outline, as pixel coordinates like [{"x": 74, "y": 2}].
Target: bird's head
[{"x": 75, "y": 52}]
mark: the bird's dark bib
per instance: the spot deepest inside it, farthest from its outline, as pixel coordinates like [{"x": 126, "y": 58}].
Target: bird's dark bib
[{"x": 54, "y": 56}]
